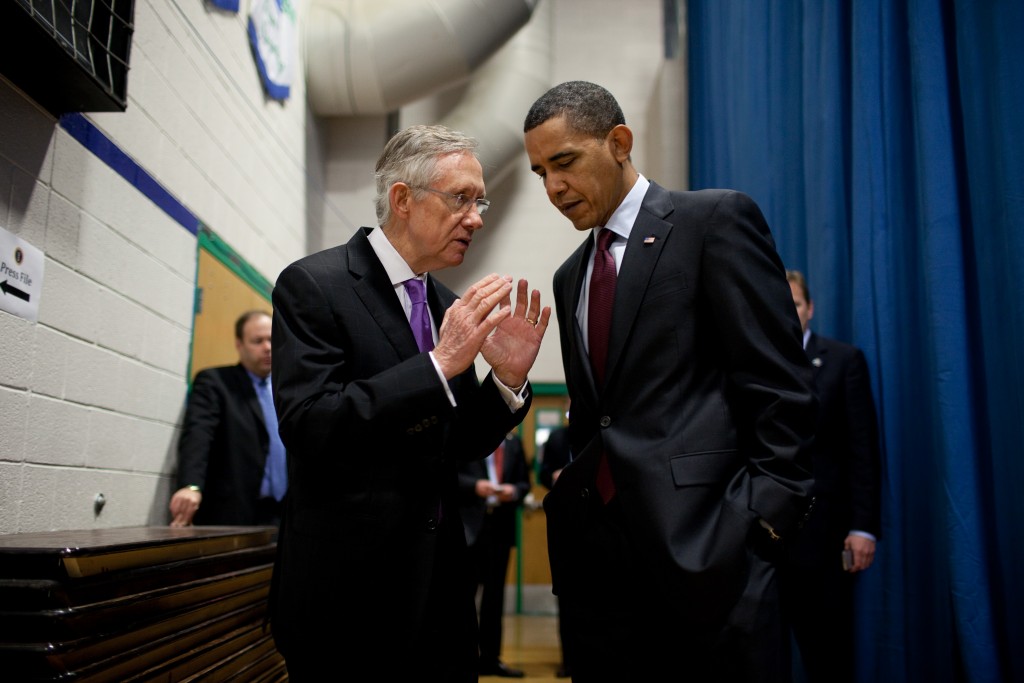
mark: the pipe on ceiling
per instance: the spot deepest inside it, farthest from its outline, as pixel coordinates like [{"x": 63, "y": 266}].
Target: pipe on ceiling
[{"x": 366, "y": 57}]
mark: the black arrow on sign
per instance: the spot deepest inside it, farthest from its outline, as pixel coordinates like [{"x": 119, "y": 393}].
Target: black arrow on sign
[{"x": 7, "y": 289}]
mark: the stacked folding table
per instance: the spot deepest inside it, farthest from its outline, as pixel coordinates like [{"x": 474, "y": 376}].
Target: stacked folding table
[{"x": 138, "y": 604}]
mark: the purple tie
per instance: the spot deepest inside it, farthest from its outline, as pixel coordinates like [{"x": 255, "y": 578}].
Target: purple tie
[
  {"x": 599, "y": 323},
  {"x": 419, "y": 318}
]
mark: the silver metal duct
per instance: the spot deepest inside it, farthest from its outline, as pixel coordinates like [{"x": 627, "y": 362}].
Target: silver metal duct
[
  {"x": 366, "y": 57},
  {"x": 372, "y": 56}
]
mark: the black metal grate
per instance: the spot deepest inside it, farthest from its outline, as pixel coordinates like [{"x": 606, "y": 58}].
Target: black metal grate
[{"x": 94, "y": 36}]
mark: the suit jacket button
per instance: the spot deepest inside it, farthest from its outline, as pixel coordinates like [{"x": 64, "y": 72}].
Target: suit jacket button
[
  {"x": 584, "y": 493},
  {"x": 605, "y": 421},
  {"x": 431, "y": 524}
]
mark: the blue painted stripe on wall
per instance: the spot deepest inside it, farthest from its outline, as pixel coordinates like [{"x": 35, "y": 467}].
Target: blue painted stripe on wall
[{"x": 104, "y": 148}]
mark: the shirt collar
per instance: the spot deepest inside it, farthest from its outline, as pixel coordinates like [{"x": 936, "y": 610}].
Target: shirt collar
[
  {"x": 622, "y": 220},
  {"x": 397, "y": 269},
  {"x": 256, "y": 379}
]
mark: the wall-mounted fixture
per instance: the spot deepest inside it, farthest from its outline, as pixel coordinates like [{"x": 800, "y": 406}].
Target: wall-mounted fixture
[{"x": 68, "y": 56}]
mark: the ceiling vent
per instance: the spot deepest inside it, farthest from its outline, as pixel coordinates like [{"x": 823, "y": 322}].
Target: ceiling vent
[{"x": 68, "y": 55}]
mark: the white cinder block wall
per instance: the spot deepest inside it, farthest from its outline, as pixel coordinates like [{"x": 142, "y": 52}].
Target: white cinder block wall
[{"x": 92, "y": 395}]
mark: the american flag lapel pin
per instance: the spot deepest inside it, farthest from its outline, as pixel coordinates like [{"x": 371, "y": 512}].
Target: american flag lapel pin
[{"x": 649, "y": 239}]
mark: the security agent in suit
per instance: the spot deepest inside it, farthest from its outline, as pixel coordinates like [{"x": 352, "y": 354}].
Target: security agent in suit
[
  {"x": 555, "y": 456},
  {"x": 370, "y": 580},
  {"x": 704, "y": 411},
  {"x": 490, "y": 493},
  {"x": 231, "y": 467},
  {"x": 818, "y": 581}
]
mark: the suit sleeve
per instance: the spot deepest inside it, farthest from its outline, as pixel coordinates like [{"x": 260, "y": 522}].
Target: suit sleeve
[
  {"x": 469, "y": 475},
  {"x": 519, "y": 475},
  {"x": 555, "y": 456},
  {"x": 320, "y": 396},
  {"x": 865, "y": 463},
  {"x": 769, "y": 374},
  {"x": 203, "y": 414},
  {"x": 338, "y": 379}
]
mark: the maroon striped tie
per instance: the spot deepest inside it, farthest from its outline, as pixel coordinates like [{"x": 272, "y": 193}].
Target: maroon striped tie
[
  {"x": 602, "y": 296},
  {"x": 599, "y": 323}
]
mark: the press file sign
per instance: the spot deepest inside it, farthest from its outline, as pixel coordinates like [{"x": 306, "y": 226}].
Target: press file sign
[{"x": 21, "y": 276}]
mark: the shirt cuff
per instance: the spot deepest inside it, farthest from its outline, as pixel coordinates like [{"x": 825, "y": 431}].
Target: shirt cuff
[
  {"x": 513, "y": 400},
  {"x": 444, "y": 381},
  {"x": 864, "y": 534}
]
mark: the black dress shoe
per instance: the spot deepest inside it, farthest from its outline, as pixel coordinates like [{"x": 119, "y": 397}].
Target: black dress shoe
[
  {"x": 499, "y": 669},
  {"x": 563, "y": 672}
]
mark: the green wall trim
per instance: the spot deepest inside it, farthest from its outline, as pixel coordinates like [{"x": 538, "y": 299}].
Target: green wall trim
[
  {"x": 549, "y": 389},
  {"x": 217, "y": 248}
]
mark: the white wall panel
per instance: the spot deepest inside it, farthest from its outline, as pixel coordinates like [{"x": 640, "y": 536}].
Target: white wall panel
[
  {"x": 48, "y": 444},
  {"x": 14, "y": 408}
]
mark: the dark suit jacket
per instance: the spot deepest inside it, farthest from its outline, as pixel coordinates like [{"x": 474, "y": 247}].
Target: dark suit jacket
[
  {"x": 707, "y": 403},
  {"x": 223, "y": 446},
  {"x": 474, "y": 508},
  {"x": 373, "y": 442},
  {"x": 845, "y": 459},
  {"x": 556, "y": 455}
]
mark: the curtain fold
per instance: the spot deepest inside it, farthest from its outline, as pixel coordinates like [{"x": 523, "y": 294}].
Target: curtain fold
[{"x": 885, "y": 145}]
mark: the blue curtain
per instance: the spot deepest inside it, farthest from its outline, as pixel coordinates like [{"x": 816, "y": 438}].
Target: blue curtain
[{"x": 885, "y": 143}]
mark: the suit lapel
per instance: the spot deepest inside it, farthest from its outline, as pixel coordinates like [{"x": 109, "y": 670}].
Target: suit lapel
[
  {"x": 570, "y": 303},
  {"x": 439, "y": 299},
  {"x": 646, "y": 241},
  {"x": 374, "y": 289},
  {"x": 243, "y": 387}
]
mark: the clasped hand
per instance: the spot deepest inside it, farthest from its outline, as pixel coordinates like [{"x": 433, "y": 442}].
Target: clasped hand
[
  {"x": 484, "y": 321},
  {"x": 505, "y": 493}
]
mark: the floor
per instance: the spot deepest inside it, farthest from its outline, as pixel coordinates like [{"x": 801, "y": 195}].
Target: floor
[{"x": 530, "y": 635}]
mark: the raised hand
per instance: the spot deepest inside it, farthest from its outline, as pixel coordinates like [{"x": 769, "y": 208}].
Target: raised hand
[
  {"x": 469, "y": 321},
  {"x": 512, "y": 350}
]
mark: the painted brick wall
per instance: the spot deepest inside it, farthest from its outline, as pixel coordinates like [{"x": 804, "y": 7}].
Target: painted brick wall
[{"x": 91, "y": 395}]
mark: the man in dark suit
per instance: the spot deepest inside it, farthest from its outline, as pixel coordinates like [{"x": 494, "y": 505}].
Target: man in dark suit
[
  {"x": 378, "y": 401},
  {"x": 839, "y": 538},
  {"x": 231, "y": 462},
  {"x": 490, "y": 493},
  {"x": 663, "y": 530},
  {"x": 556, "y": 454},
  {"x": 554, "y": 457}
]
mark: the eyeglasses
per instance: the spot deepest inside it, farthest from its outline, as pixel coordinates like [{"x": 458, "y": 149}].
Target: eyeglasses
[{"x": 458, "y": 203}]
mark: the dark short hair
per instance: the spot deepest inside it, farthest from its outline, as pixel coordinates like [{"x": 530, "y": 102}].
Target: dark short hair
[
  {"x": 244, "y": 318},
  {"x": 797, "y": 278},
  {"x": 587, "y": 107}
]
